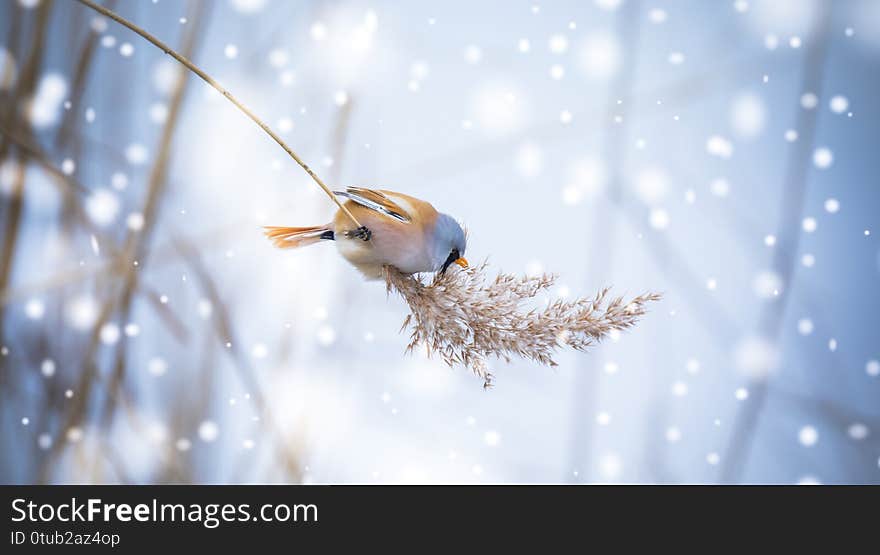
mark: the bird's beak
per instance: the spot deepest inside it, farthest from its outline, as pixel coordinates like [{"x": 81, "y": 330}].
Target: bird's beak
[{"x": 462, "y": 262}]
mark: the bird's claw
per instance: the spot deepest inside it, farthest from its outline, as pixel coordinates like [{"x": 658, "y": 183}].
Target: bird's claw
[{"x": 361, "y": 233}]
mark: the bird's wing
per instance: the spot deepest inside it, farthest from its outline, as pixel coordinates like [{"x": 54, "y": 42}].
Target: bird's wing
[{"x": 376, "y": 200}]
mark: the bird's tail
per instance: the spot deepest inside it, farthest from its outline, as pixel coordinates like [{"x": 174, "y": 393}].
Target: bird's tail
[{"x": 294, "y": 237}]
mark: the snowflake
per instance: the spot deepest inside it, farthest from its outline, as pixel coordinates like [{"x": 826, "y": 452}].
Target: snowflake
[
  {"x": 808, "y": 436},
  {"x": 208, "y": 431}
]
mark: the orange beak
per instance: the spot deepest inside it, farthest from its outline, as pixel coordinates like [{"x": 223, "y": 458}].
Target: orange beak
[{"x": 462, "y": 262}]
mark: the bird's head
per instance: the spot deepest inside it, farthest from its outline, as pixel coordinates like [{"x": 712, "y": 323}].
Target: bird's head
[{"x": 449, "y": 244}]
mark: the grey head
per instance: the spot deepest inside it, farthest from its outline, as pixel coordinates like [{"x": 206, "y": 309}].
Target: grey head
[{"x": 449, "y": 242}]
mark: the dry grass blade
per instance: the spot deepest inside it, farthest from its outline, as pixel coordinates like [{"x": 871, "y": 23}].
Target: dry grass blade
[{"x": 466, "y": 317}]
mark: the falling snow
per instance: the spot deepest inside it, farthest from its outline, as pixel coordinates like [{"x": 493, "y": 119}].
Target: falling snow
[{"x": 576, "y": 138}]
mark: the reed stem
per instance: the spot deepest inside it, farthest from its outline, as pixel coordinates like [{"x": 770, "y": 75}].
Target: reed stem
[{"x": 210, "y": 80}]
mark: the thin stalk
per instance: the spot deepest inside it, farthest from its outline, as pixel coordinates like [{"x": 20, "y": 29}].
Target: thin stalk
[{"x": 210, "y": 80}]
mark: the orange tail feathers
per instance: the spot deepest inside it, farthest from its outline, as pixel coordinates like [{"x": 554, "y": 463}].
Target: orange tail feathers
[{"x": 294, "y": 237}]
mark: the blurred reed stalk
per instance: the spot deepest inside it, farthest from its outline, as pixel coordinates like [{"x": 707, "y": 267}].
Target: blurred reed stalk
[
  {"x": 15, "y": 118},
  {"x": 70, "y": 188},
  {"x": 67, "y": 129},
  {"x": 71, "y": 121},
  {"x": 225, "y": 334},
  {"x": 137, "y": 242},
  {"x": 788, "y": 239},
  {"x": 135, "y": 253}
]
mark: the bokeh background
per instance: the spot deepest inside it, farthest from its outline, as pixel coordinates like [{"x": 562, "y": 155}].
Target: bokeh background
[{"x": 722, "y": 152}]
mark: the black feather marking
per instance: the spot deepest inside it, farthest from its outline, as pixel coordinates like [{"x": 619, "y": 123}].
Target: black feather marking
[{"x": 375, "y": 206}]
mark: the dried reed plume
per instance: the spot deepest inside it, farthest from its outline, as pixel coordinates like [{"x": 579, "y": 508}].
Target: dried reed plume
[{"x": 467, "y": 318}]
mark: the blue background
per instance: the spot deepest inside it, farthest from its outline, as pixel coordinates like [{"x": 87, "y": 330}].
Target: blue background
[{"x": 755, "y": 367}]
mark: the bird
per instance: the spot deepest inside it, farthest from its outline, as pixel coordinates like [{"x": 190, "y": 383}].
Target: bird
[{"x": 398, "y": 230}]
